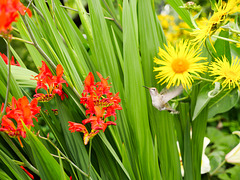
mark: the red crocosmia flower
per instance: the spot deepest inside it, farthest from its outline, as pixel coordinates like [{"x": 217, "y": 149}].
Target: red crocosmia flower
[
  {"x": 77, "y": 127},
  {"x": 100, "y": 104},
  {"x": 17, "y": 112},
  {"x": 9, "y": 13},
  {"x": 27, "y": 172},
  {"x": 51, "y": 84},
  {"x": 12, "y": 62}
]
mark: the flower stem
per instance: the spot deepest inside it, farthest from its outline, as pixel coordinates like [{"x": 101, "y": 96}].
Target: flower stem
[
  {"x": 110, "y": 12},
  {"x": 65, "y": 157},
  {"x": 213, "y": 56},
  {"x": 220, "y": 165},
  {"x": 21, "y": 40},
  {"x": 36, "y": 9},
  {"x": 225, "y": 39},
  {"x": 8, "y": 80},
  {"x": 201, "y": 78},
  {"x": 89, "y": 155}
]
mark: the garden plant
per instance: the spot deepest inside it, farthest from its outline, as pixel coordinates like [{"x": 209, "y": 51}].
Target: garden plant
[{"x": 125, "y": 94}]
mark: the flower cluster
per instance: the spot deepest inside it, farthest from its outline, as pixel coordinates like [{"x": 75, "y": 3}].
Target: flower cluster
[
  {"x": 228, "y": 74},
  {"x": 100, "y": 104},
  {"x": 182, "y": 64},
  {"x": 12, "y": 62},
  {"x": 172, "y": 30},
  {"x": 218, "y": 19},
  {"x": 18, "y": 112},
  {"x": 51, "y": 84},
  {"x": 9, "y": 13}
]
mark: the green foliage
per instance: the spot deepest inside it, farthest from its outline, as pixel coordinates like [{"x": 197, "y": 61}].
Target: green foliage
[{"x": 121, "y": 42}]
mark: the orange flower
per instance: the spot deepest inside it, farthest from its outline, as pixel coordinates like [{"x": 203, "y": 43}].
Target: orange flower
[
  {"x": 100, "y": 104},
  {"x": 51, "y": 84},
  {"x": 19, "y": 111},
  {"x": 12, "y": 62},
  {"x": 9, "y": 13}
]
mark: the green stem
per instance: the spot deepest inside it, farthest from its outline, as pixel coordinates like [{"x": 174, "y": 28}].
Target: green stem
[
  {"x": 67, "y": 159},
  {"x": 89, "y": 155},
  {"x": 29, "y": 3},
  {"x": 36, "y": 9},
  {"x": 211, "y": 174},
  {"x": 225, "y": 39},
  {"x": 201, "y": 78},
  {"x": 230, "y": 29},
  {"x": 45, "y": 55},
  {"x": 110, "y": 12},
  {"x": 213, "y": 56},
  {"x": 21, "y": 40},
  {"x": 72, "y": 9},
  {"x": 36, "y": 44},
  {"x": 180, "y": 99},
  {"x": 8, "y": 80}
]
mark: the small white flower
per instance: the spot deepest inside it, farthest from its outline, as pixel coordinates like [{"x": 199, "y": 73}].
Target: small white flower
[
  {"x": 233, "y": 156},
  {"x": 205, "y": 165}
]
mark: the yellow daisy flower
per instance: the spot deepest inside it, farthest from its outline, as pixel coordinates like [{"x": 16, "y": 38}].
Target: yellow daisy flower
[
  {"x": 177, "y": 65},
  {"x": 228, "y": 73},
  {"x": 209, "y": 27}
]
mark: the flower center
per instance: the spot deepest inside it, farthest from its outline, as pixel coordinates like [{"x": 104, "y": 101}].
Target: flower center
[
  {"x": 230, "y": 74},
  {"x": 180, "y": 65}
]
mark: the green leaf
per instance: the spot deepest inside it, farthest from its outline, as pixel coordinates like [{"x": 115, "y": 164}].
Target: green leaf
[
  {"x": 203, "y": 98},
  {"x": 14, "y": 89},
  {"x": 185, "y": 15},
  {"x": 198, "y": 134},
  {"x": 24, "y": 77},
  {"x": 223, "y": 102},
  {"x": 222, "y": 47},
  {"x": 48, "y": 167},
  {"x": 4, "y": 175},
  {"x": 108, "y": 145},
  {"x": 13, "y": 167}
]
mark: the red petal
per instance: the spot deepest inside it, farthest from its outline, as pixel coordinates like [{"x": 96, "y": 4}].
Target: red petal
[
  {"x": 98, "y": 111},
  {"x": 59, "y": 70},
  {"x": 104, "y": 81},
  {"x": 89, "y": 79}
]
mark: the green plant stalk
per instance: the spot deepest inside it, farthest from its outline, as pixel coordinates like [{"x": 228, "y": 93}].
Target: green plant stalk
[
  {"x": 8, "y": 80},
  {"x": 36, "y": 9},
  {"x": 225, "y": 39},
  {"x": 89, "y": 155},
  {"x": 110, "y": 12},
  {"x": 21, "y": 40},
  {"x": 67, "y": 159},
  {"x": 220, "y": 165},
  {"x": 212, "y": 55},
  {"x": 29, "y": 3},
  {"x": 230, "y": 29},
  {"x": 19, "y": 154},
  {"x": 72, "y": 9},
  {"x": 204, "y": 79},
  {"x": 45, "y": 55}
]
